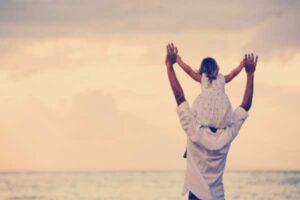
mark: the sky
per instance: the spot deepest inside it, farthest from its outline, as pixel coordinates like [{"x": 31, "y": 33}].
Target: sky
[{"x": 84, "y": 87}]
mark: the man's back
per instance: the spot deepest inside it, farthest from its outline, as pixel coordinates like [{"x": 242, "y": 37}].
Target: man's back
[{"x": 207, "y": 153}]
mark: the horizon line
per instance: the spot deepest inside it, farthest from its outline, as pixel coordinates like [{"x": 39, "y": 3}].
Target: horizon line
[{"x": 137, "y": 171}]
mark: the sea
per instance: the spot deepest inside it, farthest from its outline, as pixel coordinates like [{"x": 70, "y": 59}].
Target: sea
[{"x": 142, "y": 185}]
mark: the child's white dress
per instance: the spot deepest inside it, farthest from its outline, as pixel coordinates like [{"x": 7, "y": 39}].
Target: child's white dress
[{"x": 212, "y": 107}]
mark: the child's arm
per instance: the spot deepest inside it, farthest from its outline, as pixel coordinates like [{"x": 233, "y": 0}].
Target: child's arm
[
  {"x": 234, "y": 72},
  {"x": 196, "y": 76}
]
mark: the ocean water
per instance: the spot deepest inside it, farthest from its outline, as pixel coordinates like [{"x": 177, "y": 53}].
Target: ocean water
[{"x": 145, "y": 185}]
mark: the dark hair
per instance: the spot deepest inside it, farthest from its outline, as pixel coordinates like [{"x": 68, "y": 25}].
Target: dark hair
[{"x": 210, "y": 67}]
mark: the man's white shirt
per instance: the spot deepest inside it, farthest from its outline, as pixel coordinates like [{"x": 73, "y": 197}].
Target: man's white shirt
[{"x": 207, "y": 153}]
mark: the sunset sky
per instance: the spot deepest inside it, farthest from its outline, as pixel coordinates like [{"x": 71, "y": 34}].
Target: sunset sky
[{"x": 84, "y": 87}]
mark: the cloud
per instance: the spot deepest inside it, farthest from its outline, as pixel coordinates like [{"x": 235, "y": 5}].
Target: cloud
[
  {"x": 29, "y": 56},
  {"x": 274, "y": 23},
  {"x": 279, "y": 33},
  {"x": 50, "y": 17}
]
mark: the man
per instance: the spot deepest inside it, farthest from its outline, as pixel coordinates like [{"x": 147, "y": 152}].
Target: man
[{"x": 207, "y": 149}]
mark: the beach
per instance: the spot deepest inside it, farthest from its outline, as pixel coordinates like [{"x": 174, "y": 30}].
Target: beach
[{"x": 146, "y": 185}]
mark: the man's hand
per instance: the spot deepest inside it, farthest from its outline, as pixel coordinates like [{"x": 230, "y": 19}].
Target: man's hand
[
  {"x": 250, "y": 63},
  {"x": 171, "y": 55}
]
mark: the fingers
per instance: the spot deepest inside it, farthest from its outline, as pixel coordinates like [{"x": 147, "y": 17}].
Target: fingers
[
  {"x": 249, "y": 58},
  {"x": 171, "y": 49},
  {"x": 168, "y": 49},
  {"x": 174, "y": 49},
  {"x": 256, "y": 58}
]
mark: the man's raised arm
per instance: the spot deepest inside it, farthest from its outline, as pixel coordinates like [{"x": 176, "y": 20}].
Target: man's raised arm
[
  {"x": 250, "y": 66},
  {"x": 175, "y": 85},
  {"x": 183, "y": 109}
]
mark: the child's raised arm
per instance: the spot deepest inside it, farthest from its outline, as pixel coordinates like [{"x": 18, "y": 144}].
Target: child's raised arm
[
  {"x": 195, "y": 75},
  {"x": 235, "y": 72}
]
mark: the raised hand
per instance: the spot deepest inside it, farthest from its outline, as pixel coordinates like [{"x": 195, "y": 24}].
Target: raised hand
[
  {"x": 250, "y": 63},
  {"x": 242, "y": 63},
  {"x": 171, "y": 54}
]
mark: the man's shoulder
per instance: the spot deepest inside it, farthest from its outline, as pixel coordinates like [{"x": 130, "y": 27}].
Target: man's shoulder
[
  {"x": 183, "y": 106},
  {"x": 240, "y": 113}
]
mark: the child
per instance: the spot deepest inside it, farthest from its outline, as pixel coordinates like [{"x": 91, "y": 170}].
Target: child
[{"x": 212, "y": 102}]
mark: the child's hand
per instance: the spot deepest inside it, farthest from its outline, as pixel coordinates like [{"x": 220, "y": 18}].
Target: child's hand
[
  {"x": 243, "y": 63},
  {"x": 178, "y": 58}
]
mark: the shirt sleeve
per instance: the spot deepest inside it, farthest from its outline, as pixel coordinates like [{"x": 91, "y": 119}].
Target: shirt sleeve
[
  {"x": 238, "y": 118},
  {"x": 186, "y": 117}
]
